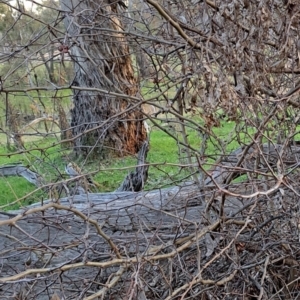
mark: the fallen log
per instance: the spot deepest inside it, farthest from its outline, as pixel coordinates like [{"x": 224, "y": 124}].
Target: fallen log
[
  {"x": 20, "y": 170},
  {"x": 163, "y": 244}
]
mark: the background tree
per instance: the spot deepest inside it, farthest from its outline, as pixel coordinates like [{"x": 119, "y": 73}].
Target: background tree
[{"x": 110, "y": 120}]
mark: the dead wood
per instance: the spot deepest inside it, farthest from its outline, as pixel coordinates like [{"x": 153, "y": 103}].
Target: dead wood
[
  {"x": 135, "y": 181},
  {"x": 20, "y": 170},
  {"x": 185, "y": 241}
]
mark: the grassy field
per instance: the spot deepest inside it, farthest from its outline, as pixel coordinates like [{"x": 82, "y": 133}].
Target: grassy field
[
  {"x": 167, "y": 157},
  {"x": 163, "y": 156}
]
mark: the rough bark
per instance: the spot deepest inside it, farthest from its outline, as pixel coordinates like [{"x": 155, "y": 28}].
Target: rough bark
[
  {"x": 178, "y": 242},
  {"x": 20, "y": 170},
  {"x": 66, "y": 133},
  {"x": 135, "y": 180},
  {"x": 102, "y": 243},
  {"x": 146, "y": 70},
  {"x": 102, "y": 60}
]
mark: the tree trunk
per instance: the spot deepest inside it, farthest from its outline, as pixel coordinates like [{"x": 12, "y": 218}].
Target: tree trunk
[
  {"x": 145, "y": 67},
  {"x": 101, "y": 56}
]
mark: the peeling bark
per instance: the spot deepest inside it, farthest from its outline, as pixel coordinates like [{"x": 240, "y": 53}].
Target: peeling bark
[{"x": 102, "y": 60}]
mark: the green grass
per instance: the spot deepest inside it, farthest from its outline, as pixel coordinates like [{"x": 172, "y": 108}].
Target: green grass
[
  {"x": 12, "y": 189},
  {"x": 167, "y": 158},
  {"x": 163, "y": 156}
]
